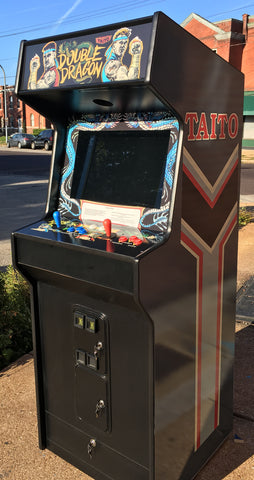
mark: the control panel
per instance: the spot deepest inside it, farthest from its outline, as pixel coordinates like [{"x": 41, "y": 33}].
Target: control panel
[{"x": 113, "y": 235}]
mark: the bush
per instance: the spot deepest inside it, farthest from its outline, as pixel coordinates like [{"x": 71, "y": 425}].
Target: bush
[
  {"x": 36, "y": 131},
  {"x": 15, "y": 317},
  {"x": 245, "y": 216}
]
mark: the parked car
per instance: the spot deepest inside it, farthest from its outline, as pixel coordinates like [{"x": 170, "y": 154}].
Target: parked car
[
  {"x": 20, "y": 140},
  {"x": 43, "y": 140}
]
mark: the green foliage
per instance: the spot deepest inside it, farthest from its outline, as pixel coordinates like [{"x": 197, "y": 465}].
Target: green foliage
[
  {"x": 15, "y": 318},
  {"x": 245, "y": 216},
  {"x": 36, "y": 131}
]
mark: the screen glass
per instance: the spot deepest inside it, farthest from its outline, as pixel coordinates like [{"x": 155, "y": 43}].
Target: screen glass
[{"x": 120, "y": 167}]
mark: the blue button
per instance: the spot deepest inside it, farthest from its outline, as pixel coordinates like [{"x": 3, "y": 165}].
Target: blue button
[
  {"x": 71, "y": 229},
  {"x": 81, "y": 230}
]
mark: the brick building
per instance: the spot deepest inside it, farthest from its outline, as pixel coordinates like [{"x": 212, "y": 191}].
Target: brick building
[
  {"x": 20, "y": 116},
  {"x": 14, "y": 110},
  {"x": 34, "y": 120},
  {"x": 233, "y": 40}
]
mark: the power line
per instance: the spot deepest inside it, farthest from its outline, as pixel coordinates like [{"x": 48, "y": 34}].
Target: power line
[
  {"x": 85, "y": 16},
  {"x": 232, "y": 10},
  {"x": 7, "y": 59}
]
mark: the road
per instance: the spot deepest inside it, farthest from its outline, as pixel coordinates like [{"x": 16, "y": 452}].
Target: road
[
  {"x": 23, "y": 193},
  {"x": 25, "y": 162},
  {"x": 247, "y": 179}
]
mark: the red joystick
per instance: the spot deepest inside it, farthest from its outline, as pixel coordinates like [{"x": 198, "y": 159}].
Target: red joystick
[{"x": 107, "y": 226}]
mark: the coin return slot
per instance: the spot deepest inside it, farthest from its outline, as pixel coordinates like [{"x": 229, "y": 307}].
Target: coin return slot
[
  {"x": 86, "y": 359},
  {"x": 81, "y": 357},
  {"x": 91, "y": 361}
]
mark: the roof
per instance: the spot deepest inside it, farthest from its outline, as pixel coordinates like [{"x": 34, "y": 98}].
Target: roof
[
  {"x": 219, "y": 33},
  {"x": 206, "y": 23}
]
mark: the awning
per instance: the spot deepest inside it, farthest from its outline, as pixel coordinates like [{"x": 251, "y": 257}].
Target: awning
[{"x": 248, "y": 104}]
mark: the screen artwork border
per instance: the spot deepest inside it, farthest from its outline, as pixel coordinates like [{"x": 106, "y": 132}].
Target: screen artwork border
[{"x": 152, "y": 219}]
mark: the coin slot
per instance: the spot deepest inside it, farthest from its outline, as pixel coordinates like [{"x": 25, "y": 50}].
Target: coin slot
[{"x": 90, "y": 324}]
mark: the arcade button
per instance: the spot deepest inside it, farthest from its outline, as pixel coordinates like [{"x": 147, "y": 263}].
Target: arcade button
[
  {"x": 81, "y": 230},
  {"x": 137, "y": 241},
  {"x": 122, "y": 239},
  {"x": 71, "y": 229},
  {"x": 132, "y": 238}
]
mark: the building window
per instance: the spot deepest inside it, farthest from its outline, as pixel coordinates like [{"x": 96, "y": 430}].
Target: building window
[
  {"x": 11, "y": 121},
  {"x": 18, "y": 102},
  {"x": 32, "y": 119},
  {"x": 42, "y": 122},
  {"x": 1, "y": 103},
  {"x": 11, "y": 101}
]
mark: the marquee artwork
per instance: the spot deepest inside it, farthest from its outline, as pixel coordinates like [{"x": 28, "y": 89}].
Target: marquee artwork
[{"x": 115, "y": 56}]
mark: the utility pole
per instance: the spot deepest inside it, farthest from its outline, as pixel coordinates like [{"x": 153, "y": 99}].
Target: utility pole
[{"x": 5, "y": 107}]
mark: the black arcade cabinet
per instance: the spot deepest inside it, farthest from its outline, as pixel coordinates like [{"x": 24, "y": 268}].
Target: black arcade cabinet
[{"x": 133, "y": 267}]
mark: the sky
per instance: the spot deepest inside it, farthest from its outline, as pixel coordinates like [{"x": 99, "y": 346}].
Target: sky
[{"x": 28, "y": 20}]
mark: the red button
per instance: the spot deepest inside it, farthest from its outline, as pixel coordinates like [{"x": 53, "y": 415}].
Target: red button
[
  {"x": 122, "y": 239},
  {"x": 137, "y": 241},
  {"x": 133, "y": 238}
]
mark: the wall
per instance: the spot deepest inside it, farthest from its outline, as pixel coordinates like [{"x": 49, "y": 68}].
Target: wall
[
  {"x": 248, "y": 56},
  {"x": 19, "y": 114},
  {"x": 14, "y": 108},
  {"x": 35, "y": 120}
]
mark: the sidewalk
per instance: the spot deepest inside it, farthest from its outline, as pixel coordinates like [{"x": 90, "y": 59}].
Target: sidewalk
[{"x": 235, "y": 459}]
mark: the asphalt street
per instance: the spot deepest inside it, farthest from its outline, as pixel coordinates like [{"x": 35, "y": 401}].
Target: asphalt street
[
  {"x": 23, "y": 193},
  {"x": 24, "y": 162},
  {"x": 247, "y": 183}
]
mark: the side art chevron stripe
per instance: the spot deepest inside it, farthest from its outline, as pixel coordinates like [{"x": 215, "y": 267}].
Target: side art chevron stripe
[
  {"x": 209, "y": 280},
  {"x": 209, "y": 192}
]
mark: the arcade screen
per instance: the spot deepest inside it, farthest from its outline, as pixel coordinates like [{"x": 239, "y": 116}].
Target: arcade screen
[{"x": 123, "y": 168}]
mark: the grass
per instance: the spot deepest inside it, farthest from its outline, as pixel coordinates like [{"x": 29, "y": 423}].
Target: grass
[{"x": 2, "y": 141}]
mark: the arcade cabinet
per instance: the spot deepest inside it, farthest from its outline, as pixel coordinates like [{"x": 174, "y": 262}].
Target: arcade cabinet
[{"x": 133, "y": 267}]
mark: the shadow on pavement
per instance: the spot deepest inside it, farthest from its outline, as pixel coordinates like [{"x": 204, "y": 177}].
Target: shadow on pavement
[{"x": 234, "y": 459}]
